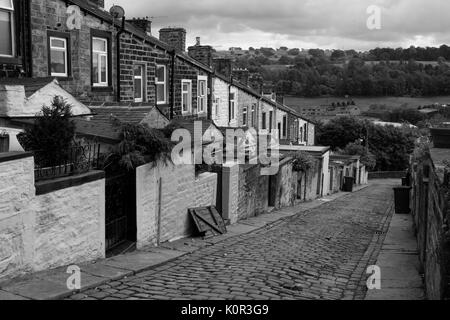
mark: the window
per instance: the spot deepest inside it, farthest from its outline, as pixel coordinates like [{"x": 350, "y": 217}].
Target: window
[
  {"x": 270, "y": 120},
  {"x": 244, "y": 116},
  {"x": 201, "y": 99},
  {"x": 186, "y": 96},
  {"x": 139, "y": 83},
  {"x": 58, "y": 57},
  {"x": 264, "y": 121},
  {"x": 253, "y": 115},
  {"x": 6, "y": 28},
  {"x": 284, "y": 126},
  {"x": 100, "y": 62},
  {"x": 232, "y": 106},
  {"x": 161, "y": 84},
  {"x": 216, "y": 106}
]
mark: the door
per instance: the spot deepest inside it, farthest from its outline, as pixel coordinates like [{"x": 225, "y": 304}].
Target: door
[{"x": 120, "y": 210}]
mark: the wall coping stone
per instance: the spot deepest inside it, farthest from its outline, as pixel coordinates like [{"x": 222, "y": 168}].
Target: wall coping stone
[
  {"x": 10, "y": 156},
  {"x": 47, "y": 186}
]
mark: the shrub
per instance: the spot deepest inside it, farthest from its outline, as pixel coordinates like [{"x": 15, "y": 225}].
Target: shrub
[
  {"x": 302, "y": 161},
  {"x": 139, "y": 145},
  {"x": 51, "y": 135}
]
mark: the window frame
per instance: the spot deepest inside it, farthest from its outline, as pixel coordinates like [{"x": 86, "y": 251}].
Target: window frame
[
  {"x": 232, "y": 106},
  {"x": 254, "y": 115},
  {"x": 11, "y": 11},
  {"x": 60, "y": 36},
  {"x": 189, "y": 92},
  {"x": 143, "y": 81},
  {"x": 103, "y": 35},
  {"x": 158, "y": 83},
  {"x": 284, "y": 126},
  {"x": 204, "y": 97},
  {"x": 264, "y": 120},
  {"x": 244, "y": 117}
]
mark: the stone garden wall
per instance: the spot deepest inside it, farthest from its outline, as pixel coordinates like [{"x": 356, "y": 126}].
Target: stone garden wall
[{"x": 49, "y": 224}]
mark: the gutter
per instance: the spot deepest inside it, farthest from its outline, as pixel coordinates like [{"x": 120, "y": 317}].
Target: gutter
[{"x": 121, "y": 31}]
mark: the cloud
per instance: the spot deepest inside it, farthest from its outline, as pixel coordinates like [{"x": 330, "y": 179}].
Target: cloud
[{"x": 294, "y": 23}]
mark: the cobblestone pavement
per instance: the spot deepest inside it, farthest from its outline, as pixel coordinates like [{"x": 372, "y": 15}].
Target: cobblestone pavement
[{"x": 319, "y": 254}]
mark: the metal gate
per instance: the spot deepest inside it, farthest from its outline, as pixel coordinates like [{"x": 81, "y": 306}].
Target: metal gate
[{"x": 120, "y": 209}]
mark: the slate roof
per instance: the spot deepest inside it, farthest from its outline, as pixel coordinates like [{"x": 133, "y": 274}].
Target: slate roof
[
  {"x": 102, "y": 124},
  {"x": 31, "y": 85}
]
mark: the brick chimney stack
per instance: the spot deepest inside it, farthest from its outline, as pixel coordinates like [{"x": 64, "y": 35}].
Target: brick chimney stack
[
  {"x": 241, "y": 75},
  {"x": 174, "y": 37},
  {"x": 256, "y": 82},
  {"x": 223, "y": 66},
  {"x": 203, "y": 54},
  {"x": 143, "y": 24},
  {"x": 98, "y": 3}
]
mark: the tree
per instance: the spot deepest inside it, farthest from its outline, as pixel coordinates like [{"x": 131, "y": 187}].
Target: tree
[
  {"x": 390, "y": 145},
  {"x": 340, "y": 131},
  {"x": 357, "y": 149}
]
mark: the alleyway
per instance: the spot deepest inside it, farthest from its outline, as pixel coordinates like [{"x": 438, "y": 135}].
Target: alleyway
[{"x": 322, "y": 253}]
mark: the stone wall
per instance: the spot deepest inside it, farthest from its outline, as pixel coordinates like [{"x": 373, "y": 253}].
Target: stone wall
[
  {"x": 51, "y": 15},
  {"x": 164, "y": 193},
  {"x": 38, "y": 232},
  {"x": 430, "y": 207},
  {"x": 253, "y": 192},
  {"x": 386, "y": 175}
]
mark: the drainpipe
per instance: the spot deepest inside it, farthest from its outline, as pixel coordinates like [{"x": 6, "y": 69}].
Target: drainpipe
[
  {"x": 210, "y": 96},
  {"x": 229, "y": 101},
  {"x": 172, "y": 85},
  {"x": 121, "y": 31}
]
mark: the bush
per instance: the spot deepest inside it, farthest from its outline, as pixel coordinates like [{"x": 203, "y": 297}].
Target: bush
[
  {"x": 139, "y": 145},
  {"x": 302, "y": 161},
  {"x": 52, "y": 134}
]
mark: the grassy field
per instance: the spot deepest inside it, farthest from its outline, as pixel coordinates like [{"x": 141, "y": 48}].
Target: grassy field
[{"x": 364, "y": 103}]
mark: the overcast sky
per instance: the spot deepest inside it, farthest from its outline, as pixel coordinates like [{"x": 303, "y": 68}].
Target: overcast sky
[{"x": 333, "y": 24}]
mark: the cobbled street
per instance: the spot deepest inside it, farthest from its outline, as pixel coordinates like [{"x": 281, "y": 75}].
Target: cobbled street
[{"x": 322, "y": 253}]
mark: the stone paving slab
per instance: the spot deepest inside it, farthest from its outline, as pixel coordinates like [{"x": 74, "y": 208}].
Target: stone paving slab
[
  {"x": 104, "y": 271},
  {"x": 140, "y": 261},
  {"x": 397, "y": 294},
  {"x": 6, "y": 296},
  {"x": 38, "y": 289},
  {"x": 399, "y": 264}
]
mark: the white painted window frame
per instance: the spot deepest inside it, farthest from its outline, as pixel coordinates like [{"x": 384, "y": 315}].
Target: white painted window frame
[
  {"x": 101, "y": 54},
  {"x": 204, "y": 97},
  {"x": 11, "y": 12},
  {"x": 142, "y": 78},
  {"x": 65, "y": 50},
  {"x": 189, "y": 93},
  {"x": 233, "y": 106},
  {"x": 244, "y": 117},
  {"x": 164, "y": 83}
]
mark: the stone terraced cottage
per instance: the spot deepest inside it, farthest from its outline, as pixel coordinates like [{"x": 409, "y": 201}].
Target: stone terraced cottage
[{"x": 115, "y": 68}]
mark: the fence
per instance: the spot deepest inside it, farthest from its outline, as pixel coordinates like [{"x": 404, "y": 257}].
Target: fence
[{"x": 51, "y": 164}]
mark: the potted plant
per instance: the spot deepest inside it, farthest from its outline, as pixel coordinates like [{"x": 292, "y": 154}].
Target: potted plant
[{"x": 4, "y": 141}]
